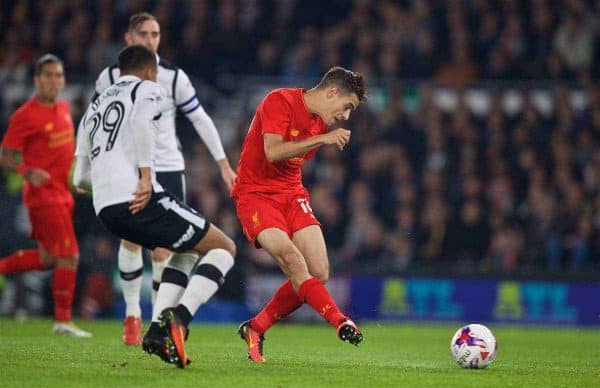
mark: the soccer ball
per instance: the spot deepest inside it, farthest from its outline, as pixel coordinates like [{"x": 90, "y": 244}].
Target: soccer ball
[{"x": 473, "y": 346}]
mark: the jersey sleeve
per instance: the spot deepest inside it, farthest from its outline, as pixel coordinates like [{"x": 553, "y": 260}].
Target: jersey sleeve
[
  {"x": 18, "y": 131},
  {"x": 82, "y": 171},
  {"x": 275, "y": 114},
  {"x": 185, "y": 93},
  {"x": 82, "y": 148}
]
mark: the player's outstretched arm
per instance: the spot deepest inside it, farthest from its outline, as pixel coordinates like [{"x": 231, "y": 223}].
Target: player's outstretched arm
[
  {"x": 188, "y": 103},
  {"x": 277, "y": 149},
  {"x": 227, "y": 173},
  {"x": 210, "y": 136}
]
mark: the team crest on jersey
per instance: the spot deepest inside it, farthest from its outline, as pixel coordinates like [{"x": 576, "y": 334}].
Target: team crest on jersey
[
  {"x": 48, "y": 127},
  {"x": 294, "y": 132}
]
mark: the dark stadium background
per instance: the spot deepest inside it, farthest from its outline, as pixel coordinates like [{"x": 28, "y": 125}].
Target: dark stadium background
[{"x": 471, "y": 187}]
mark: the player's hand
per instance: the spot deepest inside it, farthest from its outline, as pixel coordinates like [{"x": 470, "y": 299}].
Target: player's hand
[
  {"x": 80, "y": 190},
  {"x": 227, "y": 173},
  {"x": 228, "y": 176},
  {"x": 141, "y": 196},
  {"x": 36, "y": 176},
  {"x": 339, "y": 137}
]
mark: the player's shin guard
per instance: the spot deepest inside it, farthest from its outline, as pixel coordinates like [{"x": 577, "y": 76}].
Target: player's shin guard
[
  {"x": 22, "y": 260},
  {"x": 313, "y": 292},
  {"x": 131, "y": 267},
  {"x": 173, "y": 282},
  {"x": 210, "y": 275},
  {"x": 63, "y": 288},
  {"x": 157, "y": 270},
  {"x": 284, "y": 302}
]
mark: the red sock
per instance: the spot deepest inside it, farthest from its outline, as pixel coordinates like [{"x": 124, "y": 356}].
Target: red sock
[
  {"x": 63, "y": 288},
  {"x": 284, "y": 302},
  {"x": 22, "y": 260},
  {"x": 313, "y": 292}
]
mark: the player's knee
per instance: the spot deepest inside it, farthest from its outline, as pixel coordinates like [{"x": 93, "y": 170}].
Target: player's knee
[
  {"x": 229, "y": 246},
  {"x": 293, "y": 262},
  {"x": 160, "y": 255},
  {"x": 131, "y": 247},
  {"x": 322, "y": 275}
]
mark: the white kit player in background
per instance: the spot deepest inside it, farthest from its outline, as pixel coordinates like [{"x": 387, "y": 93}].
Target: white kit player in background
[
  {"x": 179, "y": 93},
  {"x": 115, "y": 154}
]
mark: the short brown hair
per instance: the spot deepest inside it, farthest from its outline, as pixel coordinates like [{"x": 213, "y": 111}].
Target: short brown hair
[
  {"x": 44, "y": 60},
  {"x": 136, "y": 19},
  {"x": 134, "y": 58},
  {"x": 347, "y": 80}
]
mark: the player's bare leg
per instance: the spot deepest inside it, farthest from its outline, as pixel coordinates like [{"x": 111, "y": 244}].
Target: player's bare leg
[
  {"x": 311, "y": 243},
  {"x": 131, "y": 267},
  {"x": 285, "y": 300},
  {"x": 293, "y": 265}
]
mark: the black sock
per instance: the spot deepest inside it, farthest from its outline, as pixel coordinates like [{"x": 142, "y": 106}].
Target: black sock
[
  {"x": 184, "y": 314},
  {"x": 155, "y": 330}
]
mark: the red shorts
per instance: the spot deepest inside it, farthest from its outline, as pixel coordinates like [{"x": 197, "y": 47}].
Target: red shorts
[
  {"x": 52, "y": 226},
  {"x": 259, "y": 211}
]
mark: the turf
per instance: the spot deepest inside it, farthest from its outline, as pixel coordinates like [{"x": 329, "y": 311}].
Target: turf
[{"x": 298, "y": 356}]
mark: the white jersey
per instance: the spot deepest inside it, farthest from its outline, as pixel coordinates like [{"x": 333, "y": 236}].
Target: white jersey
[
  {"x": 117, "y": 136},
  {"x": 179, "y": 93}
]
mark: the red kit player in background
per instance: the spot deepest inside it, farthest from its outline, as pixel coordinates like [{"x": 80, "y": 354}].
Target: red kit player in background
[
  {"x": 39, "y": 144},
  {"x": 273, "y": 206}
]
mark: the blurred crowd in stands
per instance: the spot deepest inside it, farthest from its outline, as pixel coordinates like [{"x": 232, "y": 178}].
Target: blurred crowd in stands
[
  {"x": 453, "y": 41},
  {"x": 513, "y": 188}
]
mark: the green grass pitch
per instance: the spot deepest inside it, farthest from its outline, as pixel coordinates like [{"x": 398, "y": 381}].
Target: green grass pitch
[{"x": 392, "y": 355}]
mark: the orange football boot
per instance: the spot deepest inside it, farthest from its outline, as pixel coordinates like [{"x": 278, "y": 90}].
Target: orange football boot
[
  {"x": 132, "y": 331},
  {"x": 254, "y": 341}
]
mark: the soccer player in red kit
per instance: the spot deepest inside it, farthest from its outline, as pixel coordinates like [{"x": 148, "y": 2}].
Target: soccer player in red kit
[
  {"x": 39, "y": 144},
  {"x": 273, "y": 206}
]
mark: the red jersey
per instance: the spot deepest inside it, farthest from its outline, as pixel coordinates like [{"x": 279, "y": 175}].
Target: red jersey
[
  {"x": 45, "y": 136},
  {"x": 284, "y": 113}
]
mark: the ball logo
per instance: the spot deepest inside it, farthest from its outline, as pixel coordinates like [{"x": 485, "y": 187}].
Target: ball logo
[{"x": 466, "y": 337}]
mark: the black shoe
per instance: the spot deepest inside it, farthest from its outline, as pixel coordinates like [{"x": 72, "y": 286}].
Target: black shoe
[
  {"x": 161, "y": 346},
  {"x": 348, "y": 331},
  {"x": 177, "y": 333}
]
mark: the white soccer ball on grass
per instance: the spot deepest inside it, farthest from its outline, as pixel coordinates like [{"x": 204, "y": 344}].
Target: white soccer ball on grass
[{"x": 473, "y": 346}]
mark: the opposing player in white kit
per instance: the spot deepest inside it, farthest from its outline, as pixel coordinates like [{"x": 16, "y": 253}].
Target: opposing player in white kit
[
  {"x": 115, "y": 154},
  {"x": 169, "y": 163}
]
